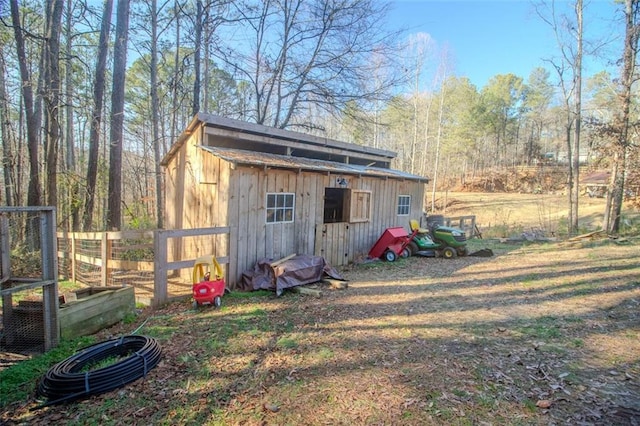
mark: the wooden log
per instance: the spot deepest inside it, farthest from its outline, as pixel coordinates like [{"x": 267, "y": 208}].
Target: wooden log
[
  {"x": 586, "y": 236},
  {"x": 306, "y": 290}
]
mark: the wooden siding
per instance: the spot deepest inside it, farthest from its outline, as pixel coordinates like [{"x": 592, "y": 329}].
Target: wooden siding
[
  {"x": 341, "y": 243},
  {"x": 197, "y": 187}
]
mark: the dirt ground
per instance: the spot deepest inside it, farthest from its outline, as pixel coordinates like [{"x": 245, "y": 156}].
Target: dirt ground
[{"x": 542, "y": 333}]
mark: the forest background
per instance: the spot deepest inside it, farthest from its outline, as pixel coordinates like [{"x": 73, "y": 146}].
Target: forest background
[{"x": 92, "y": 95}]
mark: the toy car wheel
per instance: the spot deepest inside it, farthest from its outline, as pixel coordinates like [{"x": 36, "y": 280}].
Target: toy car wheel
[
  {"x": 405, "y": 253},
  {"x": 449, "y": 253},
  {"x": 463, "y": 251},
  {"x": 194, "y": 304},
  {"x": 217, "y": 301},
  {"x": 413, "y": 247},
  {"x": 390, "y": 256}
]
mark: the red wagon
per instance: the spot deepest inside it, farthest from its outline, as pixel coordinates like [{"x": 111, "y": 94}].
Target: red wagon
[{"x": 392, "y": 243}]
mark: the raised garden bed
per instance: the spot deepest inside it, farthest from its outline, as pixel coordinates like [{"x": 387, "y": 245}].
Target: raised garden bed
[{"x": 94, "y": 308}]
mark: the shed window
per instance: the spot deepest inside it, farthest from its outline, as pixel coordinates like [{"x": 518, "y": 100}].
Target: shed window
[
  {"x": 360, "y": 206},
  {"x": 404, "y": 205},
  {"x": 280, "y": 207},
  {"x": 346, "y": 205}
]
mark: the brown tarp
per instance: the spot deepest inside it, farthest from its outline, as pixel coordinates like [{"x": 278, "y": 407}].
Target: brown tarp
[{"x": 299, "y": 270}]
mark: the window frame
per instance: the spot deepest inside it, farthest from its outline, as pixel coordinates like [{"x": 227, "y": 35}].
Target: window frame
[
  {"x": 403, "y": 206},
  {"x": 284, "y": 208}
]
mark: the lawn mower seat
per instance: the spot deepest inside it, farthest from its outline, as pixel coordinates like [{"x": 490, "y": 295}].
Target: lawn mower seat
[{"x": 414, "y": 224}]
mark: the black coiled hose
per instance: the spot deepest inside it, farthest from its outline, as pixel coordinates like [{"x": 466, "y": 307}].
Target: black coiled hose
[{"x": 66, "y": 381}]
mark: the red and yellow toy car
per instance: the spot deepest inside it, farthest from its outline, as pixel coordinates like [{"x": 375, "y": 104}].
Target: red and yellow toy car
[{"x": 207, "y": 289}]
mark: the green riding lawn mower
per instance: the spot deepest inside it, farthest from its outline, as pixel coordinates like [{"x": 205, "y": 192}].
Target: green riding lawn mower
[{"x": 437, "y": 240}]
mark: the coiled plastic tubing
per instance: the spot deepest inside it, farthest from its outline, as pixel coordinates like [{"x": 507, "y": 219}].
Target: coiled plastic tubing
[{"x": 67, "y": 381}]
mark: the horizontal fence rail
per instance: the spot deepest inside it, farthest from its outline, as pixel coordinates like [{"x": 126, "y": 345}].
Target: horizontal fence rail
[{"x": 465, "y": 223}]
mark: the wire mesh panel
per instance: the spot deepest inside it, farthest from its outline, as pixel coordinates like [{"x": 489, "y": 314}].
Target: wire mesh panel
[
  {"x": 29, "y": 286},
  {"x": 111, "y": 259}
]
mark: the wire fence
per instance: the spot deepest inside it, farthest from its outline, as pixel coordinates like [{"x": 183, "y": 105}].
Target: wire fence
[
  {"x": 157, "y": 264},
  {"x": 29, "y": 300}
]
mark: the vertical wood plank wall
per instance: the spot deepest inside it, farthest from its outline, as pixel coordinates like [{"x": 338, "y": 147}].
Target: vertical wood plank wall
[{"x": 342, "y": 242}]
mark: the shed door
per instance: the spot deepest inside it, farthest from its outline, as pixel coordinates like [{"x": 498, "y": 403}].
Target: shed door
[{"x": 332, "y": 243}]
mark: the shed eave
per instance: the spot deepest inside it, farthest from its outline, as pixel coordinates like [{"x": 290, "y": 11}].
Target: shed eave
[
  {"x": 191, "y": 128},
  {"x": 275, "y": 161}
]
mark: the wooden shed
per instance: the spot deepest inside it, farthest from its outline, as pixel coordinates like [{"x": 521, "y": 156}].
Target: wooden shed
[{"x": 281, "y": 192}]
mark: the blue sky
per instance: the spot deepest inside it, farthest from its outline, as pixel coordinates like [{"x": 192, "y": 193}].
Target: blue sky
[{"x": 487, "y": 38}]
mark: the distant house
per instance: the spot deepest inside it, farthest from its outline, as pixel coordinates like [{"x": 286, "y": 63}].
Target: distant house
[
  {"x": 595, "y": 183},
  {"x": 282, "y": 192}
]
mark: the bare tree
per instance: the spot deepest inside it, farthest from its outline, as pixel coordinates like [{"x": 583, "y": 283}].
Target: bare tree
[
  {"x": 70, "y": 158},
  {"x": 574, "y": 169},
  {"x": 155, "y": 106},
  {"x": 436, "y": 159},
  {"x": 570, "y": 62},
  {"x": 34, "y": 191},
  {"x": 320, "y": 56},
  {"x": 51, "y": 71},
  {"x": 7, "y": 136},
  {"x": 34, "y": 194},
  {"x": 421, "y": 44},
  {"x": 197, "y": 52},
  {"x": 96, "y": 115},
  {"x": 622, "y": 118},
  {"x": 155, "y": 109},
  {"x": 114, "y": 207}
]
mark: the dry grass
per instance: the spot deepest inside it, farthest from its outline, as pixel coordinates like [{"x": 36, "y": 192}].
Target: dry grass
[
  {"x": 537, "y": 334},
  {"x": 500, "y": 214}
]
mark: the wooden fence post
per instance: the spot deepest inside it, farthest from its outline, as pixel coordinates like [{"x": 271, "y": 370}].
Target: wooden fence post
[
  {"x": 73, "y": 243},
  {"x": 160, "y": 293},
  {"x": 49, "y": 257},
  {"x": 7, "y": 299},
  {"x": 105, "y": 253}
]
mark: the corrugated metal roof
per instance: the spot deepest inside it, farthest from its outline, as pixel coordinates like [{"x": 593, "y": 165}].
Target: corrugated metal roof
[
  {"x": 263, "y": 159},
  {"x": 216, "y": 121}
]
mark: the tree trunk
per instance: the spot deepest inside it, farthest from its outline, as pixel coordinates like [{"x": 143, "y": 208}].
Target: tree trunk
[
  {"x": 196, "y": 58},
  {"x": 7, "y": 137},
  {"x": 425, "y": 146},
  {"x": 438, "y": 143},
  {"x": 577, "y": 103},
  {"x": 176, "y": 76},
  {"x": 114, "y": 208},
  {"x": 96, "y": 116},
  {"x": 34, "y": 191},
  {"x": 70, "y": 157},
  {"x": 155, "y": 107},
  {"x": 207, "y": 32},
  {"x": 570, "y": 177},
  {"x": 52, "y": 96},
  {"x": 622, "y": 119},
  {"x": 34, "y": 197},
  {"x": 615, "y": 194}
]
